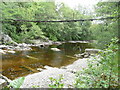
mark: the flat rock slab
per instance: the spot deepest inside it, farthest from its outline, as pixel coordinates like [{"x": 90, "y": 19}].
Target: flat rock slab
[
  {"x": 92, "y": 50},
  {"x": 77, "y": 65},
  {"x": 42, "y": 80}
]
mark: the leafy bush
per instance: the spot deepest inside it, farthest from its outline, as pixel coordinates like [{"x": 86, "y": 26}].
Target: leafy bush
[
  {"x": 56, "y": 83},
  {"x": 103, "y": 72}
]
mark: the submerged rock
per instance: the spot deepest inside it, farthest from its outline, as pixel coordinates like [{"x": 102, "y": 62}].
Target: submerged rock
[
  {"x": 88, "y": 53},
  {"x": 55, "y": 49},
  {"x": 83, "y": 55}
]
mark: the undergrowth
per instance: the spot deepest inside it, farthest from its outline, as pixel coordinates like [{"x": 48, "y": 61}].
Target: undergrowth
[{"x": 102, "y": 72}]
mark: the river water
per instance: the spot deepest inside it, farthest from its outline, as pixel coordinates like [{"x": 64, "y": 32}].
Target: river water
[{"x": 23, "y": 63}]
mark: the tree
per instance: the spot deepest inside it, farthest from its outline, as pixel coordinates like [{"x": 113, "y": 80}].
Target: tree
[
  {"x": 105, "y": 30},
  {"x": 25, "y": 31}
]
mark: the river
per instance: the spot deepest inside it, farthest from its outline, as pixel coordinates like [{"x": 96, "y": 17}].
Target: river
[{"x": 23, "y": 63}]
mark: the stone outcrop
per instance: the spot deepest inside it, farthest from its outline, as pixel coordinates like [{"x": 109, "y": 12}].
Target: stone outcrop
[
  {"x": 12, "y": 49},
  {"x": 5, "y": 39},
  {"x": 88, "y": 52}
]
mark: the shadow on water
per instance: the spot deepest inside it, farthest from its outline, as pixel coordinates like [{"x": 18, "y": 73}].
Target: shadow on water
[{"x": 22, "y": 63}]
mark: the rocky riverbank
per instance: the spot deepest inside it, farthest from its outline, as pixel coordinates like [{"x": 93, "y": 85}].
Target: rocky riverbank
[
  {"x": 23, "y": 46},
  {"x": 7, "y": 45},
  {"x": 41, "y": 79}
]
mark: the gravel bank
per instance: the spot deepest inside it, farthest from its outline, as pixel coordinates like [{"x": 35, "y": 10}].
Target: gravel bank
[{"x": 41, "y": 79}]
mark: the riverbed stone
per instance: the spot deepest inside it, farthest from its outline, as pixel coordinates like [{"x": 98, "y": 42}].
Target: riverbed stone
[
  {"x": 2, "y": 51},
  {"x": 3, "y": 46},
  {"x": 57, "y": 43},
  {"x": 55, "y": 49},
  {"x": 11, "y": 51},
  {"x": 78, "y": 41},
  {"x": 18, "y": 48},
  {"x": 91, "y": 51}
]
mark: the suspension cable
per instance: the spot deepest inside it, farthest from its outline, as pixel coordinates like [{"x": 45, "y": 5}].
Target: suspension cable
[{"x": 20, "y": 20}]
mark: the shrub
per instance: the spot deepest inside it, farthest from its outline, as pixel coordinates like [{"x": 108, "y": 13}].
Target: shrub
[
  {"x": 103, "y": 73},
  {"x": 56, "y": 83}
]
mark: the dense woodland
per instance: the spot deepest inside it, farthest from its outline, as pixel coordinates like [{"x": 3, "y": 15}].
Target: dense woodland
[
  {"x": 58, "y": 31},
  {"x": 103, "y": 31}
]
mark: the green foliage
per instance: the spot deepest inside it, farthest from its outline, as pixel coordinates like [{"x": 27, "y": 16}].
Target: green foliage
[
  {"x": 107, "y": 9},
  {"x": 25, "y": 31},
  {"x": 56, "y": 83},
  {"x": 103, "y": 72},
  {"x": 36, "y": 86},
  {"x": 103, "y": 34},
  {"x": 103, "y": 31}
]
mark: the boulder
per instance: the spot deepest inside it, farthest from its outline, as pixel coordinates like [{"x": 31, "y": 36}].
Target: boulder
[
  {"x": 92, "y": 51},
  {"x": 5, "y": 39},
  {"x": 83, "y": 55},
  {"x": 22, "y": 48},
  {"x": 40, "y": 69},
  {"x": 11, "y": 51},
  {"x": 4, "y": 81},
  {"x": 3, "y": 47}
]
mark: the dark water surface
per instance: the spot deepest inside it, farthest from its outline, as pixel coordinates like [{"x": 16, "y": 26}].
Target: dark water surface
[{"x": 18, "y": 64}]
